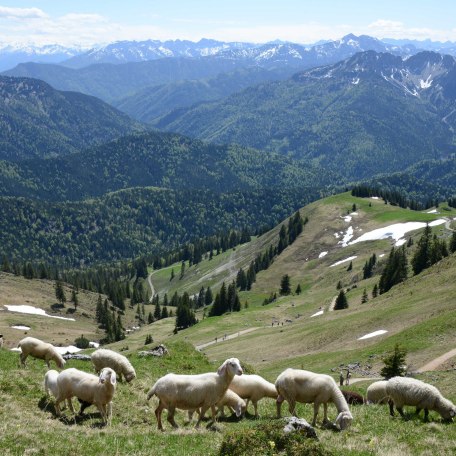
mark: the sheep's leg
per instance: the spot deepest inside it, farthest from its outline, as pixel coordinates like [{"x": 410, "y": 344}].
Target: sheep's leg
[
  {"x": 292, "y": 406},
  {"x": 391, "y": 407},
  {"x": 203, "y": 411},
  {"x": 325, "y": 412},
  {"x": 158, "y": 414},
  {"x": 170, "y": 418},
  {"x": 426, "y": 414},
  {"x": 401, "y": 411},
  {"x": 279, "y": 401},
  {"x": 23, "y": 357},
  {"x": 255, "y": 406},
  {"x": 102, "y": 410},
  {"x": 417, "y": 411},
  {"x": 70, "y": 404},
  {"x": 247, "y": 404},
  {"x": 316, "y": 408}
]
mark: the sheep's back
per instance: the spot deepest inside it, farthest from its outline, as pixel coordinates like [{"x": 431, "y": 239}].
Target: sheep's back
[
  {"x": 376, "y": 392},
  {"x": 409, "y": 391},
  {"x": 73, "y": 382}
]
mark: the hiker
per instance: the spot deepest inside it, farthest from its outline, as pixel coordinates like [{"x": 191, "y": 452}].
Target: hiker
[
  {"x": 348, "y": 378},
  {"x": 341, "y": 379}
]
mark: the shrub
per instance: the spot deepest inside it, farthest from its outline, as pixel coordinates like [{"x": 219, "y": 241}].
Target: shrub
[
  {"x": 82, "y": 342},
  {"x": 269, "y": 439}
]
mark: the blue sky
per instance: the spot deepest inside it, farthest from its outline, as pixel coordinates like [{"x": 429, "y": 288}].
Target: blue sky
[{"x": 86, "y": 23}]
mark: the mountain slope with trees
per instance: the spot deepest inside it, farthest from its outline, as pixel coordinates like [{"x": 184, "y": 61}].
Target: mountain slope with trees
[
  {"x": 39, "y": 121},
  {"x": 348, "y": 117}
]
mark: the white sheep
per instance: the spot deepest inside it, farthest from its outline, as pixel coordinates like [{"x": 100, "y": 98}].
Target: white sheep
[
  {"x": 89, "y": 388},
  {"x": 1, "y": 340},
  {"x": 119, "y": 363},
  {"x": 410, "y": 391},
  {"x": 41, "y": 350},
  {"x": 230, "y": 399},
  {"x": 295, "y": 385},
  {"x": 191, "y": 392},
  {"x": 376, "y": 393},
  {"x": 253, "y": 388},
  {"x": 50, "y": 384}
]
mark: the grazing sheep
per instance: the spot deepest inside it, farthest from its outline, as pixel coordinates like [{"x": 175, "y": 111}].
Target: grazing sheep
[
  {"x": 229, "y": 399},
  {"x": 119, "y": 363},
  {"x": 376, "y": 393},
  {"x": 409, "y": 391},
  {"x": 353, "y": 398},
  {"x": 50, "y": 383},
  {"x": 253, "y": 388},
  {"x": 1, "y": 340},
  {"x": 41, "y": 350},
  {"x": 89, "y": 388},
  {"x": 296, "y": 385},
  {"x": 191, "y": 392}
]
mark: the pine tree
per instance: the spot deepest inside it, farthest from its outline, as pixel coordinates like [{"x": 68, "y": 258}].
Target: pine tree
[
  {"x": 375, "y": 291},
  {"x": 298, "y": 289},
  {"x": 60, "y": 292},
  {"x": 422, "y": 258},
  {"x": 241, "y": 280},
  {"x": 150, "y": 318},
  {"x": 285, "y": 286},
  {"x": 339, "y": 285},
  {"x": 182, "y": 269},
  {"x": 395, "y": 270},
  {"x": 452, "y": 246},
  {"x": 164, "y": 312},
  {"x": 364, "y": 297},
  {"x": 208, "y": 298},
  {"x": 74, "y": 298},
  {"x": 350, "y": 266},
  {"x": 172, "y": 274},
  {"x": 5, "y": 264},
  {"x": 157, "y": 311},
  {"x": 341, "y": 301},
  {"x": 395, "y": 363}
]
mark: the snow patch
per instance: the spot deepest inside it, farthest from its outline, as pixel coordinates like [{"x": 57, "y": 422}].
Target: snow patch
[
  {"x": 34, "y": 311},
  {"x": 347, "y": 218},
  {"x": 433, "y": 211},
  {"x": 395, "y": 232},
  {"x": 355, "y": 81},
  {"x": 373, "y": 334},
  {"x": 344, "y": 261},
  {"x": 347, "y": 236},
  {"x": 426, "y": 84},
  {"x": 69, "y": 349},
  {"x": 94, "y": 344},
  {"x": 322, "y": 254},
  {"x": 375, "y": 197},
  {"x": 381, "y": 255},
  {"x": 21, "y": 327},
  {"x": 316, "y": 314}
]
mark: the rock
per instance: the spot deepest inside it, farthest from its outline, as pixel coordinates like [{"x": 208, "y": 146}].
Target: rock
[
  {"x": 294, "y": 424},
  {"x": 159, "y": 351},
  {"x": 76, "y": 356}
]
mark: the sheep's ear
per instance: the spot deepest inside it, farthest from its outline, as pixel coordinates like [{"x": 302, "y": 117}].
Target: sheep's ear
[
  {"x": 221, "y": 370},
  {"x": 238, "y": 411},
  {"x": 113, "y": 378}
]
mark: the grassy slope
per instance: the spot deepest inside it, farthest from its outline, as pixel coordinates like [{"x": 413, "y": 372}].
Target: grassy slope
[{"x": 423, "y": 321}]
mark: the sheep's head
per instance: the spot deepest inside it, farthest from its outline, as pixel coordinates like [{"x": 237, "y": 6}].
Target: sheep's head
[
  {"x": 446, "y": 409},
  {"x": 240, "y": 409},
  {"x": 344, "y": 420},
  {"x": 130, "y": 376},
  {"x": 232, "y": 365},
  {"x": 108, "y": 375},
  {"x": 60, "y": 362}
]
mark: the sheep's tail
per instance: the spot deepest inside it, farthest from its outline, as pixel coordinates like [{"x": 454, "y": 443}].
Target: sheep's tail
[{"x": 151, "y": 393}]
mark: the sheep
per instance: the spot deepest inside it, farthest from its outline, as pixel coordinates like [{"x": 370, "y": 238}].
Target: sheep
[
  {"x": 119, "y": 363},
  {"x": 1, "y": 340},
  {"x": 41, "y": 350},
  {"x": 409, "y": 391},
  {"x": 191, "y": 392},
  {"x": 89, "y": 388},
  {"x": 229, "y": 399},
  {"x": 253, "y": 388},
  {"x": 376, "y": 393},
  {"x": 353, "y": 398},
  {"x": 296, "y": 385}
]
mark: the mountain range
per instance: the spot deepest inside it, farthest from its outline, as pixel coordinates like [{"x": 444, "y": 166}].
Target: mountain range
[{"x": 371, "y": 113}]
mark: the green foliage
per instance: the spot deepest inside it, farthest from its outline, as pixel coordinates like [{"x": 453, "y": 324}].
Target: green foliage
[
  {"x": 395, "y": 363},
  {"x": 148, "y": 340},
  {"x": 395, "y": 270},
  {"x": 82, "y": 342},
  {"x": 269, "y": 439},
  {"x": 60, "y": 292}
]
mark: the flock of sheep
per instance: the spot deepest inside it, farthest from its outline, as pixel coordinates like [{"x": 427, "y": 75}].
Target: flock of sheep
[{"x": 226, "y": 387}]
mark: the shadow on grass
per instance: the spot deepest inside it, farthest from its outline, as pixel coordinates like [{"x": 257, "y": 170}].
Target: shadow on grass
[{"x": 47, "y": 405}]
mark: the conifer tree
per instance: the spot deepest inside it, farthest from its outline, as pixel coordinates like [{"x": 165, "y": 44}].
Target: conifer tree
[
  {"x": 164, "y": 312},
  {"x": 350, "y": 266},
  {"x": 452, "y": 246},
  {"x": 74, "y": 299},
  {"x": 285, "y": 285},
  {"x": 341, "y": 301},
  {"x": 422, "y": 258},
  {"x": 157, "y": 310},
  {"x": 60, "y": 292},
  {"x": 375, "y": 291},
  {"x": 208, "y": 297},
  {"x": 298, "y": 289},
  {"x": 395, "y": 270},
  {"x": 395, "y": 363},
  {"x": 364, "y": 297}
]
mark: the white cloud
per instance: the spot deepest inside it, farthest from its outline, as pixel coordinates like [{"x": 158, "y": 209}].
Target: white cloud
[{"x": 21, "y": 13}]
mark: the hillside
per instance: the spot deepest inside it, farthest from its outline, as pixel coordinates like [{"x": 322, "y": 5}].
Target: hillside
[
  {"x": 39, "y": 121},
  {"x": 350, "y": 117},
  {"x": 424, "y": 323},
  {"x": 160, "y": 160}
]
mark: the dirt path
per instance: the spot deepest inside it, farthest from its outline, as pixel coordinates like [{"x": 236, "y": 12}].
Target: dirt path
[
  {"x": 435, "y": 363},
  {"x": 447, "y": 224},
  {"x": 227, "y": 337}
]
